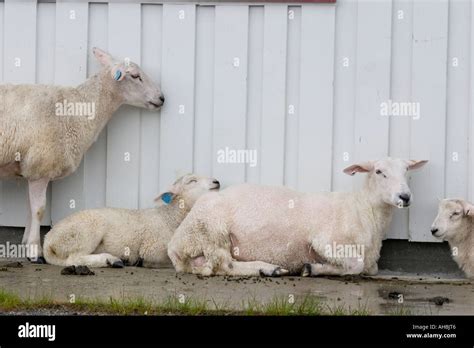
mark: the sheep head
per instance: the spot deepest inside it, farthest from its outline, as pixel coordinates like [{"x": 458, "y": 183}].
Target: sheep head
[
  {"x": 136, "y": 87},
  {"x": 387, "y": 179},
  {"x": 454, "y": 218},
  {"x": 189, "y": 188}
]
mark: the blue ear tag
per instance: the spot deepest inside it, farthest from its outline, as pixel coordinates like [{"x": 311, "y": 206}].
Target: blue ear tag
[
  {"x": 118, "y": 74},
  {"x": 167, "y": 197}
]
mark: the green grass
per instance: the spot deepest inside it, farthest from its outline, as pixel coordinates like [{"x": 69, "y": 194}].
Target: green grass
[
  {"x": 343, "y": 310},
  {"x": 141, "y": 306},
  {"x": 283, "y": 306},
  {"x": 9, "y": 301},
  {"x": 401, "y": 311},
  {"x": 304, "y": 306},
  {"x": 136, "y": 306}
]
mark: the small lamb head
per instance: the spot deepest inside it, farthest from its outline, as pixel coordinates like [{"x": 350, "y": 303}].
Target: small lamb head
[
  {"x": 452, "y": 215},
  {"x": 189, "y": 188}
]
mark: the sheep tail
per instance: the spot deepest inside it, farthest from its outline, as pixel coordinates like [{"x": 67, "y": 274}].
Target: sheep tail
[{"x": 51, "y": 257}]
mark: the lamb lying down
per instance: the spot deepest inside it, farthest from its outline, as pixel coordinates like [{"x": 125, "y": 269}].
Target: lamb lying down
[
  {"x": 252, "y": 230},
  {"x": 455, "y": 224},
  {"x": 114, "y": 237}
]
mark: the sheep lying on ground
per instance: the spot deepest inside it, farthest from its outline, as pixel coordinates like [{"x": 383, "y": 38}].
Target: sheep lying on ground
[
  {"x": 455, "y": 224},
  {"x": 45, "y": 130},
  {"x": 252, "y": 230},
  {"x": 105, "y": 237}
]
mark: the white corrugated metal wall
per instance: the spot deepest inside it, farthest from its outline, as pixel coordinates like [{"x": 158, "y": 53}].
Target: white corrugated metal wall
[{"x": 302, "y": 84}]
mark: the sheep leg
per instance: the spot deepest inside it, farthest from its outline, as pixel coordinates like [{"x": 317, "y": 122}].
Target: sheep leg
[
  {"x": 373, "y": 270},
  {"x": 152, "y": 256},
  {"x": 178, "y": 264},
  {"x": 37, "y": 195},
  {"x": 255, "y": 268},
  {"x": 317, "y": 269},
  {"x": 348, "y": 267},
  {"x": 217, "y": 263},
  {"x": 152, "y": 263},
  {"x": 28, "y": 221},
  {"x": 95, "y": 260}
]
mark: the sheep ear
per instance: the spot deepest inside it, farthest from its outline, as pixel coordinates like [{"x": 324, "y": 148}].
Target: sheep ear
[
  {"x": 103, "y": 57},
  {"x": 118, "y": 72},
  {"x": 359, "y": 168},
  {"x": 414, "y": 164},
  {"x": 468, "y": 208},
  {"x": 165, "y": 198}
]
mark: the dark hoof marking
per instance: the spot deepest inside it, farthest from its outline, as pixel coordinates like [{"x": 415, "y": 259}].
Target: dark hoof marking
[
  {"x": 278, "y": 272},
  {"x": 40, "y": 260},
  {"x": 139, "y": 262},
  {"x": 306, "y": 270},
  {"x": 117, "y": 264}
]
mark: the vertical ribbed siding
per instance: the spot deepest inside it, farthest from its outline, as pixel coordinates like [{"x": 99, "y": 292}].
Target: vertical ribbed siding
[
  {"x": 19, "y": 66},
  {"x": 70, "y": 69},
  {"x": 305, "y": 94}
]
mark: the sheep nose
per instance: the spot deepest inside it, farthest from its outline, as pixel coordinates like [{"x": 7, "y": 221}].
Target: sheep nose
[
  {"x": 216, "y": 182},
  {"x": 405, "y": 197},
  {"x": 433, "y": 230},
  {"x": 162, "y": 98}
]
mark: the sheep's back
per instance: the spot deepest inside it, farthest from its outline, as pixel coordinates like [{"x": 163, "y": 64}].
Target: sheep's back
[{"x": 31, "y": 131}]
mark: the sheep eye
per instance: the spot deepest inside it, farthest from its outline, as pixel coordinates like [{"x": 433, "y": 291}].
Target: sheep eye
[
  {"x": 454, "y": 214},
  {"x": 378, "y": 172},
  {"x": 136, "y": 77},
  {"x": 192, "y": 181}
]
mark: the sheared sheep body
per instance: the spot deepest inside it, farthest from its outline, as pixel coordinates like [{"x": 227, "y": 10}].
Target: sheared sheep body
[
  {"x": 37, "y": 142},
  {"x": 252, "y": 229}
]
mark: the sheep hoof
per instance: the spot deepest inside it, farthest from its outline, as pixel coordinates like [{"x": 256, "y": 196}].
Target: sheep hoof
[
  {"x": 118, "y": 264},
  {"x": 306, "y": 271},
  {"x": 39, "y": 260},
  {"x": 139, "y": 262},
  {"x": 115, "y": 264},
  {"x": 277, "y": 272}
]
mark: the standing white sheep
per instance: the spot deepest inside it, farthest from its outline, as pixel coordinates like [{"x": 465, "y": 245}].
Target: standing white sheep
[
  {"x": 104, "y": 237},
  {"x": 43, "y": 138},
  {"x": 251, "y": 229},
  {"x": 455, "y": 224}
]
